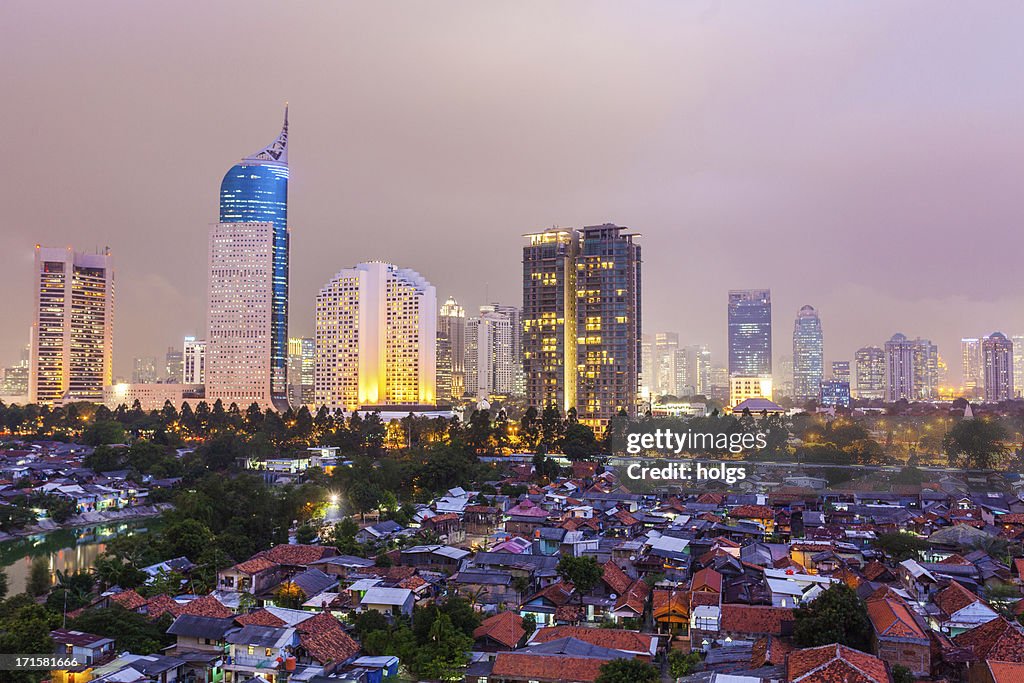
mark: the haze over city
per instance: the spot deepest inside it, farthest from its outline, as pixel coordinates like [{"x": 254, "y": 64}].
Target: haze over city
[{"x": 861, "y": 158}]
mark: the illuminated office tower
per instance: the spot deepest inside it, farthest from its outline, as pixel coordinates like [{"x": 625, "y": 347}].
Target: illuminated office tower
[
  {"x": 1018, "y": 363},
  {"x": 666, "y": 346},
  {"x": 928, "y": 368},
  {"x": 253, "y": 199},
  {"x": 693, "y": 370},
  {"x": 489, "y": 356},
  {"x": 581, "y": 321},
  {"x": 376, "y": 339},
  {"x": 870, "y": 368},
  {"x": 451, "y": 351},
  {"x": 997, "y": 359},
  {"x": 73, "y": 330},
  {"x": 808, "y": 355},
  {"x": 841, "y": 370},
  {"x": 301, "y": 363},
  {"x": 144, "y": 370},
  {"x": 783, "y": 376},
  {"x": 973, "y": 369},
  {"x": 750, "y": 332},
  {"x": 549, "y": 318},
  {"x": 193, "y": 361},
  {"x": 238, "y": 342},
  {"x": 515, "y": 318},
  {"x": 174, "y": 365},
  {"x": 900, "y": 367},
  {"x": 15, "y": 378}
]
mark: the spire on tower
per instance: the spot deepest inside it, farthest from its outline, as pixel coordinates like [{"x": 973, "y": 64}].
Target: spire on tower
[{"x": 275, "y": 152}]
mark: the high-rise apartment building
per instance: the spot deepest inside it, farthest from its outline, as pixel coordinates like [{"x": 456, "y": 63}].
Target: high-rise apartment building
[
  {"x": 144, "y": 370},
  {"x": 581, "y": 321},
  {"x": 71, "y": 356},
  {"x": 666, "y": 347},
  {"x": 900, "y": 366},
  {"x": 14, "y": 380},
  {"x": 928, "y": 368},
  {"x": 376, "y": 339},
  {"x": 750, "y": 332},
  {"x": 248, "y": 349},
  {"x": 301, "y": 365},
  {"x": 515, "y": 318},
  {"x": 193, "y": 361},
  {"x": 997, "y": 359},
  {"x": 693, "y": 370},
  {"x": 489, "y": 358},
  {"x": 451, "y": 351},
  {"x": 973, "y": 370},
  {"x": 808, "y": 355},
  {"x": 870, "y": 362}
]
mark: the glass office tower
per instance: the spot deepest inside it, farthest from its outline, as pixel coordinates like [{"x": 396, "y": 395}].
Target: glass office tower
[
  {"x": 750, "y": 332},
  {"x": 256, "y": 191}
]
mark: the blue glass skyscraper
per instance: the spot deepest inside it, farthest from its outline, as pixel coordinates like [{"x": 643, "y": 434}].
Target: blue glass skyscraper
[
  {"x": 256, "y": 191},
  {"x": 750, "y": 332}
]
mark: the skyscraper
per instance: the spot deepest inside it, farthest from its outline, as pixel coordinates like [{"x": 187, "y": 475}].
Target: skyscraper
[
  {"x": 750, "y": 332},
  {"x": 549, "y": 318},
  {"x": 973, "y": 369},
  {"x": 489, "y": 357},
  {"x": 254, "y": 192},
  {"x": 997, "y": 355},
  {"x": 174, "y": 365},
  {"x": 144, "y": 370},
  {"x": 73, "y": 330},
  {"x": 193, "y": 361},
  {"x": 841, "y": 370},
  {"x": 376, "y": 339},
  {"x": 870, "y": 362},
  {"x": 808, "y": 355},
  {"x": 1018, "y": 363},
  {"x": 582, "y": 321},
  {"x": 927, "y": 369},
  {"x": 900, "y": 369},
  {"x": 301, "y": 364},
  {"x": 666, "y": 344},
  {"x": 451, "y": 351},
  {"x": 515, "y": 318},
  {"x": 239, "y": 340},
  {"x": 693, "y": 370}
]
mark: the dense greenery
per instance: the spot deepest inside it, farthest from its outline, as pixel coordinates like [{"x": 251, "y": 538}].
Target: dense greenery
[
  {"x": 837, "y": 615},
  {"x": 25, "y": 629},
  {"x": 628, "y": 671},
  {"x": 975, "y": 443}
]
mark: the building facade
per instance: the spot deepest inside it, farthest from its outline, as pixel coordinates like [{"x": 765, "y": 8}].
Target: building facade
[
  {"x": 144, "y": 370},
  {"x": 301, "y": 370},
  {"x": 72, "y": 339},
  {"x": 376, "y": 339},
  {"x": 451, "y": 351},
  {"x": 489, "y": 360},
  {"x": 253, "y": 193},
  {"x": 841, "y": 370},
  {"x": 515, "y": 318},
  {"x": 973, "y": 370},
  {"x": 750, "y": 332},
  {"x": 193, "y": 361},
  {"x": 997, "y": 358},
  {"x": 900, "y": 382},
  {"x": 808, "y": 355},
  {"x": 869, "y": 362}
]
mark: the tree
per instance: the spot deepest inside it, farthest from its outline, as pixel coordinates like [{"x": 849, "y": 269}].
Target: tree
[
  {"x": 583, "y": 573},
  {"x": 25, "y": 627},
  {"x": 901, "y": 546},
  {"x": 682, "y": 663},
  {"x": 975, "y": 443},
  {"x": 38, "y": 581},
  {"x": 530, "y": 623},
  {"x": 627, "y": 671},
  {"x": 446, "y": 653},
  {"x": 187, "y": 538},
  {"x": 289, "y": 595},
  {"x": 3, "y": 585},
  {"x": 901, "y": 674},
  {"x": 369, "y": 621},
  {"x": 837, "y": 615},
  {"x": 131, "y": 631}
]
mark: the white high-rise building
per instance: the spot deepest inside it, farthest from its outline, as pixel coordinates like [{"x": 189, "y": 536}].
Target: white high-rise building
[
  {"x": 900, "y": 368},
  {"x": 515, "y": 318},
  {"x": 193, "y": 361},
  {"x": 971, "y": 364},
  {"x": 376, "y": 339},
  {"x": 301, "y": 368},
  {"x": 1018, "y": 363},
  {"x": 71, "y": 355},
  {"x": 997, "y": 360},
  {"x": 489, "y": 355},
  {"x": 238, "y": 341},
  {"x": 870, "y": 368},
  {"x": 451, "y": 351}
]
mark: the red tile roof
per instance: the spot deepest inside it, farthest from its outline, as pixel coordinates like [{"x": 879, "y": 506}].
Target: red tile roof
[
  {"x": 635, "y": 597},
  {"x": 319, "y": 623},
  {"x": 757, "y": 620},
  {"x": 160, "y": 605},
  {"x": 299, "y": 555},
  {"x": 891, "y": 617},
  {"x": 615, "y": 577},
  {"x": 614, "y": 638},
  {"x": 706, "y": 579},
  {"x": 752, "y": 512},
  {"x": 260, "y": 617},
  {"x": 680, "y": 603},
  {"x": 329, "y": 646},
  {"x": 998, "y": 639},
  {"x": 954, "y": 598},
  {"x": 255, "y": 565},
  {"x": 522, "y": 666},
  {"x": 1006, "y": 672},
  {"x": 874, "y": 570},
  {"x": 505, "y": 628},
  {"x": 557, "y": 593},
  {"x": 206, "y": 606},
  {"x": 129, "y": 599},
  {"x": 835, "y": 664}
]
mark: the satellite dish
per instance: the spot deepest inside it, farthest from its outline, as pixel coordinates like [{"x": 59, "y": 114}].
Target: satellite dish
[{"x": 613, "y": 596}]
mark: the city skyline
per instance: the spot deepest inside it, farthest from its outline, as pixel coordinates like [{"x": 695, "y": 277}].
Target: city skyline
[{"x": 694, "y": 164}]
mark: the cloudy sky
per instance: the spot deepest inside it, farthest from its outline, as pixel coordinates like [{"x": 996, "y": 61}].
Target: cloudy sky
[{"x": 864, "y": 157}]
